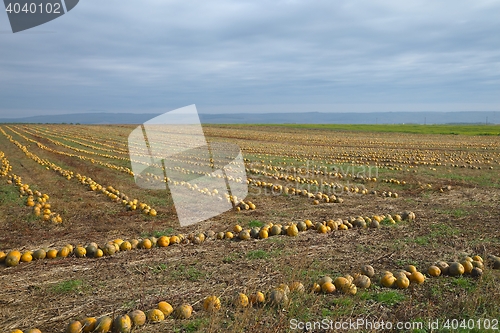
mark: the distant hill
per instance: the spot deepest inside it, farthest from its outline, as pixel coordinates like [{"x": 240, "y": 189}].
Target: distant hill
[{"x": 476, "y": 117}]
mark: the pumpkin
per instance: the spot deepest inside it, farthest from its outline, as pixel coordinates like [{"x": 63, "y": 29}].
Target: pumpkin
[
  {"x": 74, "y": 327},
  {"x": 99, "y": 253},
  {"x": 88, "y": 324},
  {"x": 467, "y": 266},
  {"x": 257, "y": 298},
  {"x": 155, "y": 315},
  {"x": 137, "y": 317},
  {"x": 362, "y": 281},
  {"x": 244, "y": 235},
  {"x": 443, "y": 266},
  {"x": 275, "y": 230},
  {"x": 26, "y": 257},
  {"x": 220, "y": 235},
  {"x": 388, "y": 280},
  {"x": 33, "y": 330},
  {"x": 278, "y": 298},
  {"x": 145, "y": 244},
  {"x": 263, "y": 233},
  {"x": 322, "y": 229},
  {"x": 301, "y": 226},
  {"x": 228, "y": 235},
  {"x": 63, "y": 252},
  {"x": 368, "y": 271},
  {"x": 476, "y": 272},
  {"x": 211, "y": 304},
  {"x": 103, "y": 324},
  {"x": 417, "y": 277},
  {"x": 122, "y": 324},
  {"x": 410, "y": 268},
  {"x": 125, "y": 246},
  {"x": 254, "y": 233},
  {"x": 456, "y": 269},
  {"x": 163, "y": 241},
  {"x": 316, "y": 288},
  {"x": 237, "y": 228},
  {"x": 309, "y": 224},
  {"x": 477, "y": 258},
  {"x": 201, "y": 236},
  {"x": 434, "y": 270},
  {"x": 39, "y": 254},
  {"x": 328, "y": 287},
  {"x": 91, "y": 251},
  {"x": 153, "y": 241},
  {"x": 80, "y": 252},
  {"x": 478, "y": 264},
  {"x": 402, "y": 282},
  {"x": 241, "y": 300},
  {"x": 175, "y": 240},
  {"x": 134, "y": 243},
  {"x": 297, "y": 286},
  {"x": 166, "y": 308},
  {"x": 16, "y": 331},
  {"x": 341, "y": 282},
  {"x": 3, "y": 255},
  {"x": 51, "y": 254},
  {"x": 183, "y": 311},
  {"x": 375, "y": 224},
  {"x": 351, "y": 289},
  {"x": 292, "y": 230},
  {"x": 12, "y": 259}
]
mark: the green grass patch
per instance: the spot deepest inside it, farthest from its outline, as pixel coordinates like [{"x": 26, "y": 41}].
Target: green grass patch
[
  {"x": 68, "y": 286},
  {"x": 255, "y": 224},
  {"x": 400, "y": 128},
  {"x": 390, "y": 297},
  {"x": 257, "y": 254}
]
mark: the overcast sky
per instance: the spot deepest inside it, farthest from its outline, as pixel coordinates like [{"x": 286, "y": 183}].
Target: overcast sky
[{"x": 255, "y": 56}]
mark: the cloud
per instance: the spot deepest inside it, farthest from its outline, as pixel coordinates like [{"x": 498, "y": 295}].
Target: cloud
[{"x": 116, "y": 55}]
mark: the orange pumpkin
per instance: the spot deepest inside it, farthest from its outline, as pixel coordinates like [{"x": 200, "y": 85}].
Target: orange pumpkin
[{"x": 166, "y": 308}]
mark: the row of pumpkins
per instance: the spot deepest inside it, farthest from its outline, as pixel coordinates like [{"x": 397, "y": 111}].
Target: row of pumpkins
[
  {"x": 110, "y": 192},
  {"x": 93, "y": 250},
  {"x": 35, "y": 199},
  {"x": 279, "y": 296}
]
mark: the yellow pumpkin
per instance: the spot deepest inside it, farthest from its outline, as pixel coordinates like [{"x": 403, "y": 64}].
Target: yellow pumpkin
[
  {"x": 402, "y": 282},
  {"x": 166, "y": 308},
  {"x": 211, "y": 304},
  {"x": 292, "y": 230},
  {"x": 316, "y": 288},
  {"x": 74, "y": 327},
  {"x": 257, "y": 298},
  {"x": 163, "y": 241},
  {"x": 122, "y": 324},
  {"x": 237, "y": 228},
  {"x": 328, "y": 287},
  {"x": 103, "y": 324},
  {"x": 26, "y": 257},
  {"x": 417, "y": 277},
  {"x": 297, "y": 286},
  {"x": 80, "y": 252},
  {"x": 174, "y": 240},
  {"x": 63, "y": 252},
  {"x": 52, "y": 253},
  {"x": 228, "y": 235},
  {"x": 125, "y": 246},
  {"x": 263, "y": 233},
  {"x": 3, "y": 255},
  {"x": 137, "y": 317},
  {"x": 16, "y": 331},
  {"x": 434, "y": 271},
  {"x": 33, "y": 330},
  {"x": 241, "y": 300},
  {"x": 155, "y": 315},
  {"x": 88, "y": 324},
  {"x": 183, "y": 311},
  {"x": 388, "y": 280},
  {"x": 12, "y": 259}
]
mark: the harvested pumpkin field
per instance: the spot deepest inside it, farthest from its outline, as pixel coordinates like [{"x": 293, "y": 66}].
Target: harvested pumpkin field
[{"x": 340, "y": 224}]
